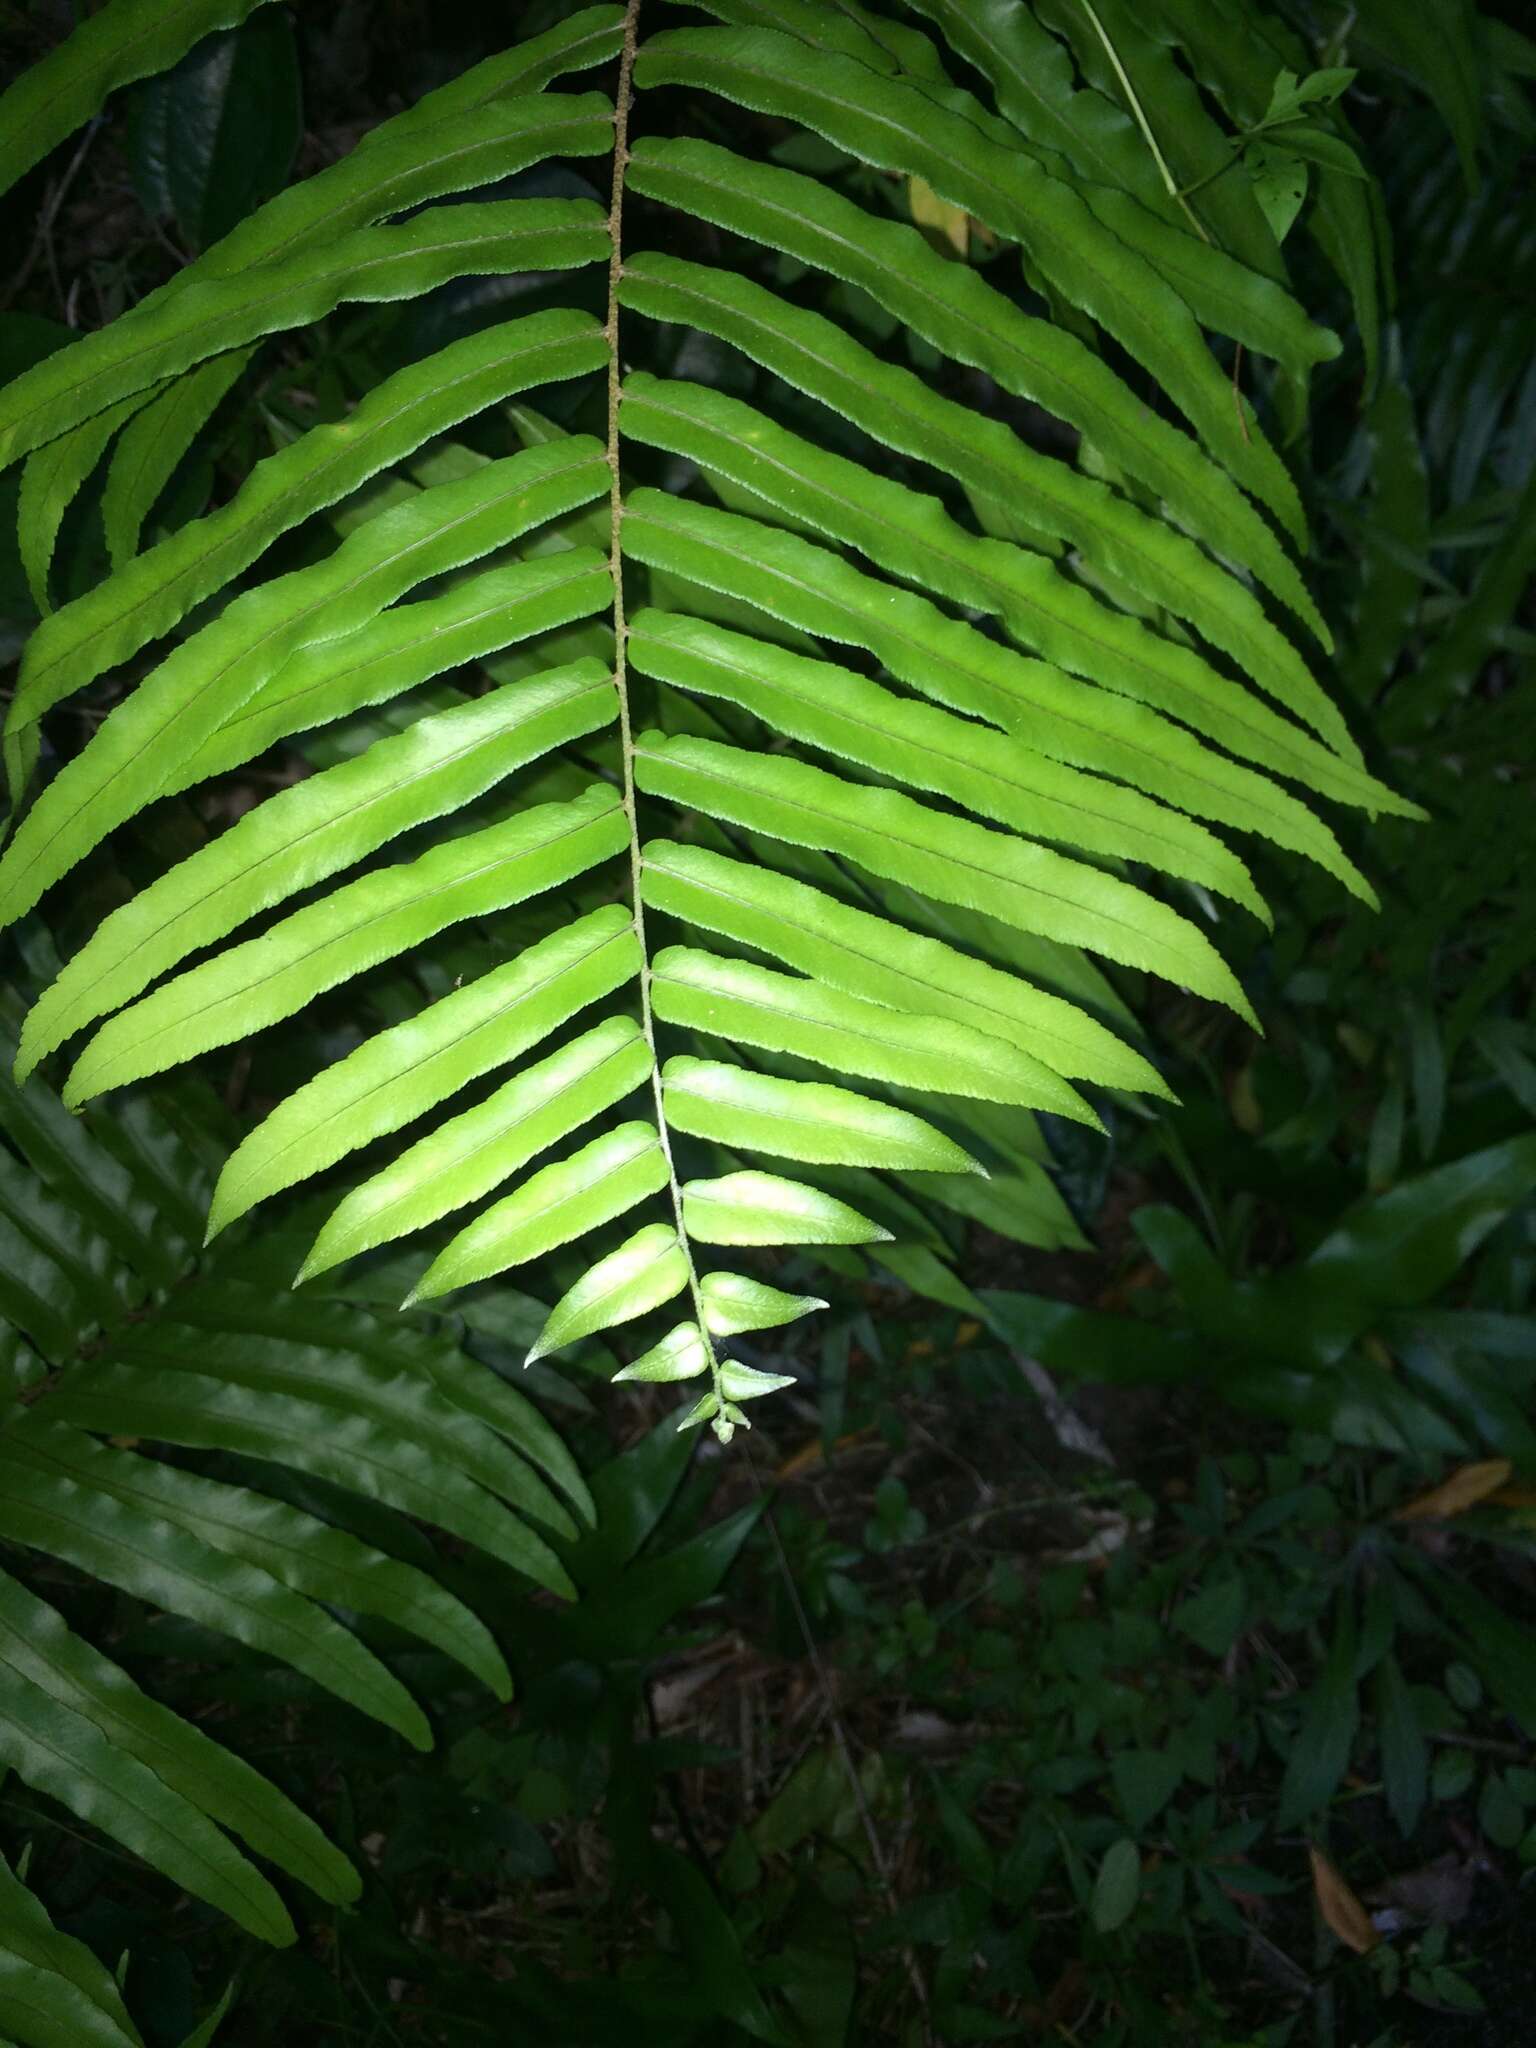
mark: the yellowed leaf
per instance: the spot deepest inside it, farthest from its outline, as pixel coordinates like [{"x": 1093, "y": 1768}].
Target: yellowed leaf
[
  {"x": 947, "y": 227},
  {"x": 1244, "y": 1102},
  {"x": 812, "y": 1454},
  {"x": 1465, "y": 1487},
  {"x": 1339, "y": 1907}
]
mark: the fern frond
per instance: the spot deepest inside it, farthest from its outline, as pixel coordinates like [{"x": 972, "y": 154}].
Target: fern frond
[
  {"x": 971, "y": 322},
  {"x": 114, "y": 1343},
  {"x": 787, "y": 752},
  {"x": 52, "y": 1987}
]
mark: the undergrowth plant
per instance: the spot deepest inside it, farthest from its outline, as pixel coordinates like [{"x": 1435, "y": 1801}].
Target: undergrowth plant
[{"x": 806, "y": 646}]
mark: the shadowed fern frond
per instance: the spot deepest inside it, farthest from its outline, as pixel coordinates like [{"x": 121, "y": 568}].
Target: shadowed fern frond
[{"x": 113, "y": 1337}]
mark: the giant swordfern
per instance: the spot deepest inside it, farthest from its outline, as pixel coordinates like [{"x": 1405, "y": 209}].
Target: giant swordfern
[{"x": 886, "y": 736}]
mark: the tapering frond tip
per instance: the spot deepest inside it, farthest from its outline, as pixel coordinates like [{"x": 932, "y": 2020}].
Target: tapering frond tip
[
  {"x": 647, "y": 1271},
  {"x": 316, "y": 1262},
  {"x": 602, "y": 1181}
]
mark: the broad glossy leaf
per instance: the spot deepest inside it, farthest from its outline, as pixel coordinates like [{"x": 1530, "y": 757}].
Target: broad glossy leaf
[
  {"x": 214, "y": 137},
  {"x": 309, "y": 831},
  {"x": 475, "y": 129},
  {"x": 646, "y": 1271},
  {"x": 944, "y": 857},
  {"x": 733, "y": 1302},
  {"x": 805, "y": 1120},
  {"x": 632, "y": 1490},
  {"x": 865, "y": 955},
  {"x": 469, "y": 1155},
  {"x": 357, "y": 926},
  {"x": 763, "y": 1208},
  {"x": 401, "y": 1073},
  {"x": 591, "y": 1187},
  {"x": 1388, "y": 1253}
]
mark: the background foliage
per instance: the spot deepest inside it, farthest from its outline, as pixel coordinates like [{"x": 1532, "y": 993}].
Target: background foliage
[{"x": 1058, "y": 1699}]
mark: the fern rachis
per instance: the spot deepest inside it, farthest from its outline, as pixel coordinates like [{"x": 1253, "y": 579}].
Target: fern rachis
[{"x": 777, "y": 734}]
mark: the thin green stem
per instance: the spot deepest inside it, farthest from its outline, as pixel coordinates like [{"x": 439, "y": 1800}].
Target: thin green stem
[
  {"x": 620, "y": 661},
  {"x": 1235, "y": 143},
  {"x": 1141, "y": 120}
]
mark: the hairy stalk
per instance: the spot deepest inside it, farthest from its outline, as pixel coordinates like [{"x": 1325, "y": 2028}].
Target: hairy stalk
[{"x": 723, "y": 1428}]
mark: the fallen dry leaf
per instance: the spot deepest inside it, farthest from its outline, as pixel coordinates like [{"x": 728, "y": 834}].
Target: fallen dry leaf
[
  {"x": 1465, "y": 1487},
  {"x": 812, "y": 1454},
  {"x": 1513, "y": 1497},
  {"x": 1438, "y": 1894},
  {"x": 1338, "y": 1905},
  {"x": 947, "y": 227}
]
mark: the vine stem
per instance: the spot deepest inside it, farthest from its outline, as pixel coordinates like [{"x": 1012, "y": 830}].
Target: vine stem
[
  {"x": 622, "y": 101},
  {"x": 1140, "y": 118}
]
